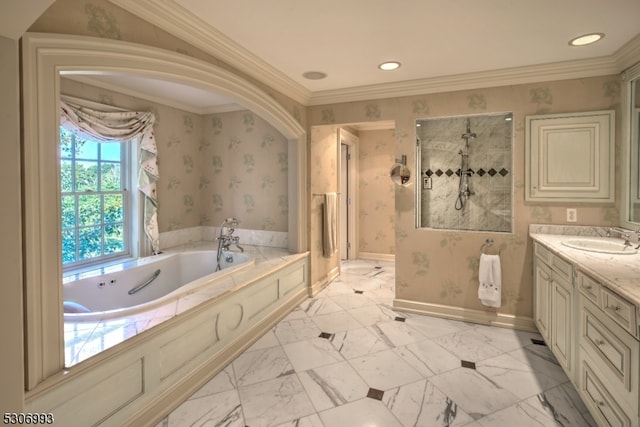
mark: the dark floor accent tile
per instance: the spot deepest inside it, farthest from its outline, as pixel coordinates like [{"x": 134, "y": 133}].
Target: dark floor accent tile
[
  {"x": 358, "y": 292},
  {"x": 539, "y": 342},
  {"x": 400, "y": 319},
  {"x": 467, "y": 364},
  {"x": 375, "y": 394},
  {"x": 325, "y": 335}
]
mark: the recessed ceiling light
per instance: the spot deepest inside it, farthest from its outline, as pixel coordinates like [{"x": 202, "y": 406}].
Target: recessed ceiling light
[
  {"x": 389, "y": 66},
  {"x": 586, "y": 39},
  {"x": 314, "y": 75}
]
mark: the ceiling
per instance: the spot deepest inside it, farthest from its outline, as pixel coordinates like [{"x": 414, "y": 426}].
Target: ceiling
[{"x": 450, "y": 41}]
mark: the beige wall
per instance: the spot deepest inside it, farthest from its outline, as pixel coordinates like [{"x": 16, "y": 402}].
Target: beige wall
[
  {"x": 11, "y": 360},
  {"x": 376, "y": 216},
  {"x": 440, "y": 266}
]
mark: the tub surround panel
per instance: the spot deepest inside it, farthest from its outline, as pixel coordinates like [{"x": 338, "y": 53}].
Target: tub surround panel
[{"x": 170, "y": 360}]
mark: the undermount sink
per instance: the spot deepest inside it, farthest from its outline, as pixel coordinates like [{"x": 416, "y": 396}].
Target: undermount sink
[{"x": 601, "y": 246}]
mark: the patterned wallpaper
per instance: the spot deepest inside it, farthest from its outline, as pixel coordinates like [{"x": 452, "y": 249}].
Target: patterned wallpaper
[
  {"x": 211, "y": 166},
  {"x": 376, "y": 215},
  {"x": 441, "y": 266}
]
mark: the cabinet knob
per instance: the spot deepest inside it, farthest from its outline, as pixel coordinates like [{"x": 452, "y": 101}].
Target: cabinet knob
[
  {"x": 601, "y": 403},
  {"x": 600, "y": 342},
  {"x": 587, "y": 287},
  {"x": 617, "y": 308}
]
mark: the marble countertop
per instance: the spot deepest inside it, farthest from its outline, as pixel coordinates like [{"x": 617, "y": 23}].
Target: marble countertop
[{"x": 620, "y": 273}]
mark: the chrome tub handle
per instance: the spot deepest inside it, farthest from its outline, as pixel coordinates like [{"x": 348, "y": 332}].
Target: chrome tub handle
[{"x": 147, "y": 283}]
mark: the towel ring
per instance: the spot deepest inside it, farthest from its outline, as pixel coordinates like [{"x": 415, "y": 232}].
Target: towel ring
[{"x": 488, "y": 244}]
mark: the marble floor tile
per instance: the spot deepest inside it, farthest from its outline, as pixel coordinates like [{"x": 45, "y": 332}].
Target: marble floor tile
[
  {"x": 336, "y": 322},
  {"x": 361, "y": 413},
  {"x": 274, "y": 401},
  {"x": 357, "y": 342},
  {"x": 421, "y": 404},
  {"x": 333, "y": 385},
  {"x": 298, "y": 329},
  {"x": 475, "y": 394},
  {"x": 428, "y": 358},
  {"x": 384, "y": 370},
  {"x": 309, "y": 354},
  {"x": 372, "y": 314},
  {"x": 516, "y": 376},
  {"x": 316, "y": 306},
  {"x": 468, "y": 345},
  {"x": 255, "y": 366},
  {"x": 214, "y": 409},
  {"x": 341, "y": 359}
]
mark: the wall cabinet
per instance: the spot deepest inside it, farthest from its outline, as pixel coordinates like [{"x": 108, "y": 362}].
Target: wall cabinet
[
  {"x": 570, "y": 157},
  {"x": 593, "y": 332}
]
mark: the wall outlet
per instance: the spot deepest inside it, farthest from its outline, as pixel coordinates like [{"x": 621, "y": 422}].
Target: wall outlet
[{"x": 572, "y": 215}]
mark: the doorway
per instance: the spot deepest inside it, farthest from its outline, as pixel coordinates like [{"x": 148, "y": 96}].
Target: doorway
[{"x": 348, "y": 194}]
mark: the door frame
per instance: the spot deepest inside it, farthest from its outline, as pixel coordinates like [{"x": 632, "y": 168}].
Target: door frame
[{"x": 351, "y": 141}]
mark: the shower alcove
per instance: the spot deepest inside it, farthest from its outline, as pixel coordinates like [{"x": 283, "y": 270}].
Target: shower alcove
[{"x": 464, "y": 172}]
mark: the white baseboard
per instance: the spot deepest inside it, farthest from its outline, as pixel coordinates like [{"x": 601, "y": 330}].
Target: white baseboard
[
  {"x": 377, "y": 257},
  {"x": 465, "y": 314},
  {"x": 324, "y": 281}
]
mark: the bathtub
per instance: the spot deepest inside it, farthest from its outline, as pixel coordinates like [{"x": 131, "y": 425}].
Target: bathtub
[{"x": 111, "y": 292}]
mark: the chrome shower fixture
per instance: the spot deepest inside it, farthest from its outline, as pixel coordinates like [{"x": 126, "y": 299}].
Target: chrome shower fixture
[{"x": 464, "y": 187}]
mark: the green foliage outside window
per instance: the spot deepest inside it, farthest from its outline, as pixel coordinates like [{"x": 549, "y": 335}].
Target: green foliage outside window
[{"x": 92, "y": 199}]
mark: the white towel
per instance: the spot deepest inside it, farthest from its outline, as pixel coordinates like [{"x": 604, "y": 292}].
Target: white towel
[
  {"x": 329, "y": 232},
  {"x": 490, "y": 289}
]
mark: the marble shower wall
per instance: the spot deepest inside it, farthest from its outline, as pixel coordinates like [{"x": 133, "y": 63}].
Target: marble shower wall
[{"x": 440, "y": 142}]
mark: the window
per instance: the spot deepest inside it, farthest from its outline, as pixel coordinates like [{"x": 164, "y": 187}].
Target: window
[{"x": 94, "y": 201}]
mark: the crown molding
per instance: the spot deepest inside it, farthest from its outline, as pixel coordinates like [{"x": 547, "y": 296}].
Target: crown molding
[
  {"x": 468, "y": 81},
  {"x": 629, "y": 54},
  {"x": 173, "y": 18}
]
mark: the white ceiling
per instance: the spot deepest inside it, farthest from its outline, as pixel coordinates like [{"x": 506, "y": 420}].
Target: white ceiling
[
  {"x": 435, "y": 40},
  {"x": 348, "y": 39}
]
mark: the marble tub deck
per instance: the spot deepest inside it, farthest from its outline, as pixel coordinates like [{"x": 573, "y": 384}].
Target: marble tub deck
[
  {"x": 345, "y": 359},
  {"x": 84, "y": 339}
]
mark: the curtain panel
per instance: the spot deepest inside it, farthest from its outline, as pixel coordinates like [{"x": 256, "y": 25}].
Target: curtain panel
[{"x": 123, "y": 126}]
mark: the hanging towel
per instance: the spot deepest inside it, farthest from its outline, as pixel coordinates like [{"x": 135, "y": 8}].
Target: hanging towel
[
  {"x": 490, "y": 289},
  {"x": 329, "y": 232}
]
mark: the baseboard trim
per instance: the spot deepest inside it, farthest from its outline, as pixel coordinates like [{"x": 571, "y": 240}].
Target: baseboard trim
[
  {"x": 324, "y": 281},
  {"x": 161, "y": 407},
  {"x": 377, "y": 257},
  {"x": 491, "y": 318}
]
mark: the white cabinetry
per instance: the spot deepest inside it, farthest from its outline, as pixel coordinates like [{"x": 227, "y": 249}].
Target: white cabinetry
[
  {"x": 608, "y": 348},
  {"x": 593, "y": 332},
  {"x": 553, "y": 309},
  {"x": 570, "y": 157}
]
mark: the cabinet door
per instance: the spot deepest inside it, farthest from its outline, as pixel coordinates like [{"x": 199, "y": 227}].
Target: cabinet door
[
  {"x": 562, "y": 333},
  {"x": 542, "y": 298},
  {"x": 570, "y": 157}
]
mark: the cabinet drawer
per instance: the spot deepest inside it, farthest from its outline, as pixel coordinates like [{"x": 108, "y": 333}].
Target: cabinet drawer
[
  {"x": 589, "y": 288},
  {"x": 603, "y": 405},
  {"x": 563, "y": 267},
  {"x": 620, "y": 310},
  {"x": 543, "y": 253},
  {"x": 613, "y": 349}
]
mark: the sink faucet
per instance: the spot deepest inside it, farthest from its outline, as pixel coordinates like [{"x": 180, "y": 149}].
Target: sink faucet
[{"x": 624, "y": 234}]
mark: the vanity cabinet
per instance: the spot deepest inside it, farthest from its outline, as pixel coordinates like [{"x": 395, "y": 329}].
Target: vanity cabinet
[
  {"x": 593, "y": 333},
  {"x": 608, "y": 348},
  {"x": 553, "y": 309}
]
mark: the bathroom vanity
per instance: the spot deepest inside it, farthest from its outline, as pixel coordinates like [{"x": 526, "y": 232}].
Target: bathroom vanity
[{"x": 587, "y": 310}]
